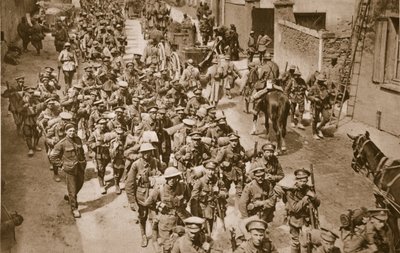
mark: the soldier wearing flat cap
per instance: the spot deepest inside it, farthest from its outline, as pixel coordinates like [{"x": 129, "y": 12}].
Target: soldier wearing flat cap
[
  {"x": 258, "y": 196},
  {"x": 299, "y": 199},
  {"x": 328, "y": 239},
  {"x": 269, "y": 161},
  {"x": 69, "y": 154},
  {"x": 205, "y": 195},
  {"x": 121, "y": 97},
  {"x": 231, "y": 159},
  {"x": 140, "y": 180},
  {"x": 98, "y": 108},
  {"x": 194, "y": 239},
  {"x": 193, "y": 153},
  {"x": 258, "y": 241},
  {"x": 119, "y": 120},
  {"x": 196, "y": 101},
  {"x": 377, "y": 232},
  {"x": 170, "y": 200},
  {"x": 98, "y": 143}
]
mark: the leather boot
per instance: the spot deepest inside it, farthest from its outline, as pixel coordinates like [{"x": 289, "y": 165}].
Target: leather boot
[
  {"x": 56, "y": 177},
  {"x": 143, "y": 232},
  {"x": 102, "y": 187},
  {"x": 117, "y": 189}
]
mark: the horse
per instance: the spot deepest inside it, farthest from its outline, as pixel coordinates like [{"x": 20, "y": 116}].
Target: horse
[
  {"x": 385, "y": 172},
  {"x": 276, "y": 107}
]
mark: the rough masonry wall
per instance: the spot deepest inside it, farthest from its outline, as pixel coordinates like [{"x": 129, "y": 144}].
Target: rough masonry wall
[
  {"x": 372, "y": 97},
  {"x": 339, "y": 47},
  {"x": 298, "y": 48},
  {"x": 11, "y": 13}
]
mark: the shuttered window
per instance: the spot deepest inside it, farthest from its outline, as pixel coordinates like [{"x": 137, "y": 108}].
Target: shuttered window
[{"x": 378, "y": 74}]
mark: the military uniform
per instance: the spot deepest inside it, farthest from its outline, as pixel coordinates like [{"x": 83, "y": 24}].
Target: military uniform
[
  {"x": 296, "y": 90},
  {"x": 258, "y": 199},
  {"x": 117, "y": 157},
  {"x": 171, "y": 205},
  {"x": 190, "y": 77},
  {"x": 190, "y": 155},
  {"x": 233, "y": 167},
  {"x": 272, "y": 167},
  {"x": 69, "y": 154},
  {"x": 250, "y": 246},
  {"x": 298, "y": 203},
  {"x": 319, "y": 95},
  {"x": 98, "y": 143},
  {"x": 262, "y": 42}
]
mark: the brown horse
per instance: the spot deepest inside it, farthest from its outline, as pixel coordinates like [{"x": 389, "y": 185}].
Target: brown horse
[
  {"x": 276, "y": 107},
  {"x": 385, "y": 175}
]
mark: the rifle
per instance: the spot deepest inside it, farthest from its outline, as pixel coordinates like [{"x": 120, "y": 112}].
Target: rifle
[
  {"x": 220, "y": 212},
  {"x": 314, "y": 216},
  {"x": 255, "y": 154},
  {"x": 233, "y": 239}
]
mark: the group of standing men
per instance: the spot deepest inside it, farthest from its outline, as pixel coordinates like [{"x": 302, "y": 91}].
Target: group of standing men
[{"x": 174, "y": 150}]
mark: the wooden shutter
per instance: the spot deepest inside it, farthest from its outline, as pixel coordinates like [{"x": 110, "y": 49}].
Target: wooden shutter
[{"x": 378, "y": 72}]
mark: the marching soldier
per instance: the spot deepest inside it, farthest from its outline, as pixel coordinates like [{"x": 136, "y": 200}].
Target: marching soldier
[
  {"x": 139, "y": 181},
  {"x": 97, "y": 111},
  {"x": 328, "y": 239},
  {"x": 288, "y": 76},
  {"x": 170, "y": 200},
  {"x": 231, "y": 158},
  {"x": 263, "y": 41},
  {"x": 231, "y": 73},
  {"x": 117, "y": 157},
  {"x": 258, "y": 197},
  {"x": 194, "y": 239},
  {"x": 69, "y": 63},
  {"x": 299, "y": 199},
  {"x": 190, "y": 77},
  {"x": 252, "y": 47},
  {"x": 270, "y": 163},
  {"x": 179, "y": 138},
  {"x": 195, "y": 102},
  {"x": 31, "y": 110},
  {"x": 192, "y": 154},
  {"x": 98, "y": 143},
  {"x": 319, "y": 95},
  {"x": 259, "y": 241},
  {"x": 69, "y": 154},
  {"x": 119, "y": 121},
  {"x": 206, "y": 195},
  {"x": 296, "y": 90}
]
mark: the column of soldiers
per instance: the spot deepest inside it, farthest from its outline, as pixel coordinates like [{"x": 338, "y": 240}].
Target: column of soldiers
[{"x": 174, "y": 150}]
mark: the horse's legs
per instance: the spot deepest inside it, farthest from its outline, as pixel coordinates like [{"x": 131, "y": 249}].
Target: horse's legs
[
  {"x": 266, "y": 125},
  {"x": 254, "y": 129},
  {"x": 278, "y": 132}
]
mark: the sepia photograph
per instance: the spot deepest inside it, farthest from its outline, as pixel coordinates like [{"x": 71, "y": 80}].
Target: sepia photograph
[{"x": 210, "y": 126}]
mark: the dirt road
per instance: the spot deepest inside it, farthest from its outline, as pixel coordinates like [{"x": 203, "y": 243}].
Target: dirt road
[{"x": 107, "y": 223}]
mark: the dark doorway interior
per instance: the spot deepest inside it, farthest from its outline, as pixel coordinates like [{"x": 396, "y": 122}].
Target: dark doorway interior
[
  {"x": 313, "y": 20},
  {"x": 263, "y": 19}
]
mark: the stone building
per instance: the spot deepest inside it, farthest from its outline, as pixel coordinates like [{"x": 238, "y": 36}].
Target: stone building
[{"x": 375, "y": 91}]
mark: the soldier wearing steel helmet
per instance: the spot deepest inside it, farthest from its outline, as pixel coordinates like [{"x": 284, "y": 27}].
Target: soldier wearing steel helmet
[
  {"x": 319, "y": 95},
  {"x": 140, "y": 180},
  {"x": 170, "y": 200},
  {"x": 258, "y": 241},
  {"x": 296, "y": 89}
]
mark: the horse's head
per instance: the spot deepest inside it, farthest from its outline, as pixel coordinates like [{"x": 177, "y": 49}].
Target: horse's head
[{"x": 359, "y": 159}]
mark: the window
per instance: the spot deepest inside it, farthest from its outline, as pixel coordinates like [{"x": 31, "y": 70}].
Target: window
[
  {"x": 314, "y": 20},
  {"x": 386, "y": 67}
]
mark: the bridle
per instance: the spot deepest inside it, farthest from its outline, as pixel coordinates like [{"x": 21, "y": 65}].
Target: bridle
[{"x": 359, "y": 161}]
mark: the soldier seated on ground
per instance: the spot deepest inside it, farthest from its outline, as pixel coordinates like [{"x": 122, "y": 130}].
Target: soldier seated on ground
[{"x": 258, "y": 241}]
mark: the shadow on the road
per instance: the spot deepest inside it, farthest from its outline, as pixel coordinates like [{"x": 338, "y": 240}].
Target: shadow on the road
[
  {"x": 90, "y": 173},
  {"x": 226, "y": 105},
  {"x": 98, "y": 203}
]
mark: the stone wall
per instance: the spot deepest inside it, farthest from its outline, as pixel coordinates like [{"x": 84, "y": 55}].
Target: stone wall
[
  {"x": 371, "y": 97},
  {"x": 335, "y": 46},
  {"x": 298, "y": 46},
  {"x": 11, "y": 13}
]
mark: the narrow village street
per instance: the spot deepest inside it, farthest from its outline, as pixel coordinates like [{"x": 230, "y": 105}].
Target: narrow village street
[{"x": 108, "y": 224}]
